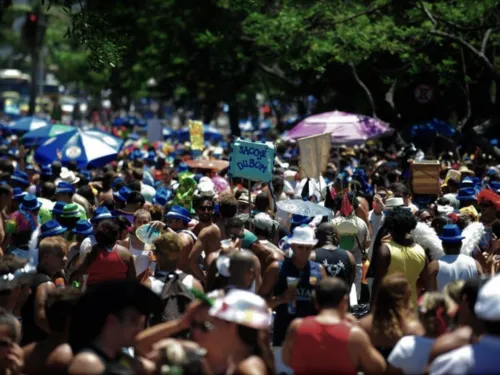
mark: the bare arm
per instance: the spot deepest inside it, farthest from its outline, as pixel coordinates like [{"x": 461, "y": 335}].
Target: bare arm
[
  {"x": 382, "y": 262},
  {"x": 363, "y": 353},
  {"x": 195, "y": 253},
  {"x": 86, "y": 364},
  {"x": 257, "y": 273},
  {"x": 40, "y": 299},
  {"x": 288, "y": 344},
  {"x": 187, "y": 245},
  {"x": 432, "y": 271},
  {"x": 145, "y": 340},
  {"x": 128, "y": 259},
  {"x": 269, "y": 281}
]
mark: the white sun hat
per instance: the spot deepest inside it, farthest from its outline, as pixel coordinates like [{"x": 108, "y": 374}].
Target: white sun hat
[
  {"x": 242, "y": 307},
  {"x": 487, "y": 305},
  {"x": 303, "y": 236}
]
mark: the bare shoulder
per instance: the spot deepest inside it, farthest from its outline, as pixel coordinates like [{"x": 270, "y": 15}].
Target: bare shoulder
[
  {"x": 414, "y": 327},
  {"x": 86, "y": 364},
  {"x": 210, "y": 231},
  {"x": 252, "y": 365},
  {"x": 358, "y": 335},
  {"x": 366, "y": 323},
  {"x": 123, "y": 252},
  {"x": 60, "y": 359}
]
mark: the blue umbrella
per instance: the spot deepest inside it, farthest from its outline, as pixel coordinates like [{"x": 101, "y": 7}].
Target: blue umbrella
[
  {"x": 40, "y": 135},
  {"x": 91, "y": 148},
  {"x": 303, "y": 208},
  {"x": 27, "y": 124}
]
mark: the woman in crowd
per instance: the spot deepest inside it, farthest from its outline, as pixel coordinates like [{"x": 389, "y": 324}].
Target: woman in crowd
[{"x": 392, "y": 317}]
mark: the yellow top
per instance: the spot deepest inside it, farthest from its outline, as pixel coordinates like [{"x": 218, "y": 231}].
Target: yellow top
[{"x": 408, "y": 260}]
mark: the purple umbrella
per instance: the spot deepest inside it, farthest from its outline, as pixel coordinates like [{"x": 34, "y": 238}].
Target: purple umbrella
[{"x": 346, "y": 128}]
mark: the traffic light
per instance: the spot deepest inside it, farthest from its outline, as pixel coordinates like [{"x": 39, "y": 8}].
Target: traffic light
[{"x": 30, "y": 29}]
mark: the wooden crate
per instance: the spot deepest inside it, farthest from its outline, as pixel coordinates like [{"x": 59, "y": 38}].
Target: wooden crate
[{"x": 425, "y": 177}]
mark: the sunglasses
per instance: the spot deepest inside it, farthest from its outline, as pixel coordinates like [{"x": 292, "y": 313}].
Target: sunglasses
[
  {"x": 5, "y": 343},
  {"x": 206, "y": 209},
  {"x": 202, "y": 326}
]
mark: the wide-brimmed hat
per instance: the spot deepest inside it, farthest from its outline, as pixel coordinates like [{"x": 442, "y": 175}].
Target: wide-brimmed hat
[
  {"x": 122, "y": 194},
  {"x": 51, "y": 228},
  {"x": 101, "y": 213},
  {"x": 178, "y": 212},
  {"x": 58, "y": 208},
  {"x": 464, "y": 170},
  {"x": 243, "y": 308},
  {"x": 20, "y": 177},
  {"x": 451, "y": 233},
  {"x": 394, "y": 202},
  {"x": 30, "y": 203},
  {"x": 206, "y": 188},
  {"x": 68, "y": 176},
  {"x": 18, "y": 194},
  {"x": 65, "y": 187},
  {"x": 244, "y": 198},
  {"x": 264, "y": 221},
  {"x": 83, "y": 228},
  {"x": 298, "y": 220},
  {"x": 466, "y": 194},
  {"x": 71, "y": 210},
  {"x": 303, "y": 236},
  {"x": 487, "y": 305}
]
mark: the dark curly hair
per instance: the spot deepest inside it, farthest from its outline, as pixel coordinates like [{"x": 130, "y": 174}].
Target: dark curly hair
[{"x": 400, "y": 220}]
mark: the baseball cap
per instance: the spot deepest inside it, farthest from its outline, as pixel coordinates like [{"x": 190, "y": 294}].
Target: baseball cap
[{"x": 487, "y": 305}]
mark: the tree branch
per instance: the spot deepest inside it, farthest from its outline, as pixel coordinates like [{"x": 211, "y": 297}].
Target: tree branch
[
  {"x": 365, "y": 89},
  {"x": 486, "y": 37},
  {"x": 366, "y": 12},
  {"x": 277, "y": 72},
  {"x": 465, "y": 89}
]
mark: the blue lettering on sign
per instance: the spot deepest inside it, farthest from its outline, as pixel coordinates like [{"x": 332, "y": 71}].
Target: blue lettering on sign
[
  {"x": 252, "y": 164},
  {"x": 252, "y": 151}
]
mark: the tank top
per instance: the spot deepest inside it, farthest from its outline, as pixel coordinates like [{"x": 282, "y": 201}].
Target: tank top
[
  {"x": 322, "y": 348},
  {"x": 106, "y": 266},
  {"x": 308, "y": 277},
  {"x": 408, "y": 260},
  {"x": 455, "y": 267},
  {"x": 31, "y": 331},
  {"x": 336, "y": 262},
  {"x": 141, "y": 259}
]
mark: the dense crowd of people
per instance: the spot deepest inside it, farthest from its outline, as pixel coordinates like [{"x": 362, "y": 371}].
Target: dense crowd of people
[{"x": 148, "y": 266}]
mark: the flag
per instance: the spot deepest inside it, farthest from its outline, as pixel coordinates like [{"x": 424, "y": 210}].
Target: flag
[
  {"x": 196, "y": 135},
  {"x": 314, "y": 155}
]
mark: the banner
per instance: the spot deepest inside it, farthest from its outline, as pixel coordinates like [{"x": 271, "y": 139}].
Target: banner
[
  {"x": 196, "y": 135},
  {"x": 155, "y": 130},
  {"x": 314, "y": 155},
  {"x": 252, "y": 160}
]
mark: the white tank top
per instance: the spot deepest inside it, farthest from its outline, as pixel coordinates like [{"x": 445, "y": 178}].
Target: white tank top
[
  {"x": 455, "y": 267},
  {"x": 141, "y": 259}
]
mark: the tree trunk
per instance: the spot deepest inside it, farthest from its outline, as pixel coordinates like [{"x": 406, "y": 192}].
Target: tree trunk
[
  {"x": 35, "y": 54},
  {"x": 234, "y": 118}
]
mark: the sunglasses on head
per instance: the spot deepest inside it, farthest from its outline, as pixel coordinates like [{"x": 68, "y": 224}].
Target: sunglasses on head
[{"x": 202, "y": 326}]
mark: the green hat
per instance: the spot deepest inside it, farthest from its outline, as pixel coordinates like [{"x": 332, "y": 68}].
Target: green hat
[{"x": 71, "y": 210}]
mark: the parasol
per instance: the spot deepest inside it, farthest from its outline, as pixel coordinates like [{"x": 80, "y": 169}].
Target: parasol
[
  {"x": 218, "y": 165},
  {"x": 303, "y": 208}
]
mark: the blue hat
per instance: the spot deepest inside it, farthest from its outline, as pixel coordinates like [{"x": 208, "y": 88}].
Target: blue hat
[
  {"x": 161, "y": 198},
  {"x": 30, "y": 167},
  {"x": 30, "y": 203},
  {"x": 18, "y": 194},
  {"x": 117, "y": 180},
  {"x": 151, "y": 155},
  {"x": 467, "y": 194},
  {"x": 467, "y": 183},
  {"x": 20, "y": 177},
  {"x": 178, "y": 212},
  {"x": 122, "y": 194},
  {"x": 51, "y": 228},
  {"x": 451, "y": 233},
  {"x": 101, "y": 213},
  {"x": 495, "y": 186},
  {"x": 65, "y": 187},
  {"x": 298, "y": 220},
  {"x": 58, "y": 208},
  {"x": 46, "y": 170},
  {"x": 83, "y": 227},
  {"x": 183, "y": 167}
]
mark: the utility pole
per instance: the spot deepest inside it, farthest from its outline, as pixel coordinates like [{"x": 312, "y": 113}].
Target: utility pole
[{"x": 33, "y": 35}]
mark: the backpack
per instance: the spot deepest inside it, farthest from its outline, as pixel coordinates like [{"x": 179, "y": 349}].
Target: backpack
[{"x": 175, "y": 297}]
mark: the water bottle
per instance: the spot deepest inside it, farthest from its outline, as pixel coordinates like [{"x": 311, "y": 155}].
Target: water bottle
[{"x": 292, "y": 282}]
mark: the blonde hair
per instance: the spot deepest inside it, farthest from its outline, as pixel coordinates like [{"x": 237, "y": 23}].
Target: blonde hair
[
  {"x": 433, "y": 309},
  {"x": 51, "y": 245},
  {"x": 168, "y": 245},
  {"x": 393, "y": 308},
  {"x": 142, "y": 212},
  {"x": 453, "y": 289}
]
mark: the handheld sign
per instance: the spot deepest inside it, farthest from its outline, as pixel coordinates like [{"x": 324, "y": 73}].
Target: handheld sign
[
  {"x": 252, "y": 160},
  {"x": 196, "y": 134},
  {"x": 147, "y": 233}
]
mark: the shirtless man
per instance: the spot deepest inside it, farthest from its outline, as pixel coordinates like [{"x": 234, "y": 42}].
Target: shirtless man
[
  {"x": 53, "y": 355},
  {"x": 210, "y": 238},
  {"x": 204, "y": 207}
]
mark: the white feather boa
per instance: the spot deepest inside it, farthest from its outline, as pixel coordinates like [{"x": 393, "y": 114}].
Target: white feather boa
[
  {"x": 473, "y": 234},
  {"x": 426, "y": 237}
]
